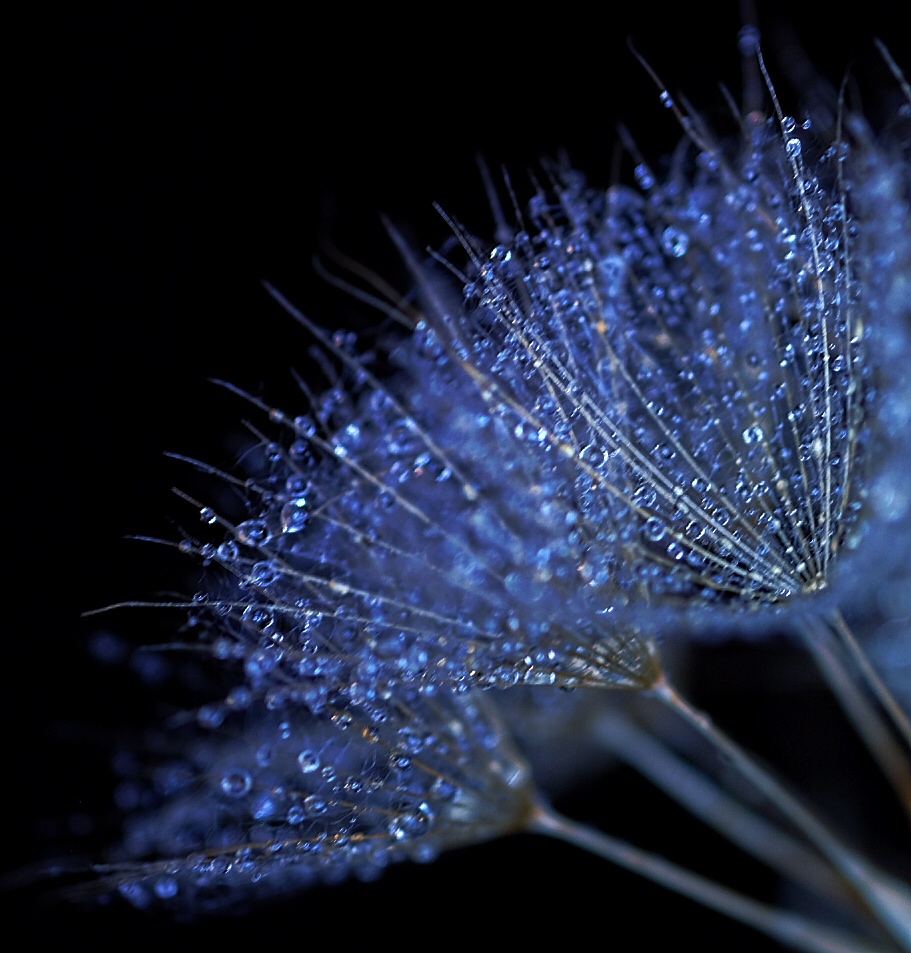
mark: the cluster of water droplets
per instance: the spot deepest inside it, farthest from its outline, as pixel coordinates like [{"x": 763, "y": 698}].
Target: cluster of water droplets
[
  {"x": 696, "y": 349},
  {"x": 377, "y": 560},
  {"x": 267, "y": 802},
  {"x": 652, "y": 396},
  {"x": 648, "y": 399}
]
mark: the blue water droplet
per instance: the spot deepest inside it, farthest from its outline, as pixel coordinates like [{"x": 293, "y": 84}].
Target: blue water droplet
[
  {"x": 165, "y": 888},
  {"x": 653, "y": 529},
  {"x": 675, "y": 241},
  {"x": 315, "y": 805},
  {"x": 253, "y": 532},
  {"x": 295, "y": 515},
  {"x": 236, "y": 782},
  {"x": 308, "y": 761}
]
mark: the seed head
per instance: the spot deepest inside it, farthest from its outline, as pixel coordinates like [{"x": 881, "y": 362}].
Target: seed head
[
  {"x": 682, "y": 399},
  {"x": 680, "y": 402},
  {"x": 255, "y": 803}
]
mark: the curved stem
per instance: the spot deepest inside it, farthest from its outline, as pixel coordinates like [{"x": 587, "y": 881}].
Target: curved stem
[
  {"x": 711, "y": 804},
  {"x": 867, "y": 721},
  {"x": 788, "y": 928},
  {"x": 886, "y": 899},
  {"x": 876, "y": 684}
]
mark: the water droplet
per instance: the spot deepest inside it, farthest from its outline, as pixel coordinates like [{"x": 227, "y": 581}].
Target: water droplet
[
  {"x": 675, "y": 241},
  {"x": 264, "y": 807},
  {"x": 295, "y": 515},
  {"x": 210, "y": 716},
  {"x": 308, "y": 761},
  {"x": 748, "y": 41},
  {"x": 653, "y": 529},
  {"x": 305, "y": 426},
  {"x": 258, "y": 616},
  {"x": 165, "y": 888},
  {"x": 644, "y": 177},
  {"x": 315, "y": 805},
  {"x": 252, "y": 532},
  {"x": 264, "y": 574},
  {"x": 227, "y": 551},
  {"x": 236, "y": 783},
  {"x": 411, "y": 823},
  {"x": 135, "y": 894},
  {"x": 695, "y": 530}
]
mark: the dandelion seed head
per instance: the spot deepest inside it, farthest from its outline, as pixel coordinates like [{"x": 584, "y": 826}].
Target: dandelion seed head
[
  {"x": 682, "y": 399},
  {"x": 272, "y": 801},
  {"x": 680, "y": 333},
  {"x": 715, "y": 360},
  {"x": 651, "y": 406},
  {"x": 597, "y": 430}
]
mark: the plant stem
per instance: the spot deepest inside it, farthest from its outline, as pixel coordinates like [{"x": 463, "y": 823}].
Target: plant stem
[
  {"x": 788, "y": 928},
  {"x": 876, "y": 684},
  {"x": 887, "y": 900},
  {"x": 715, "y": 807},
  {"x": 867, "y": 721}
]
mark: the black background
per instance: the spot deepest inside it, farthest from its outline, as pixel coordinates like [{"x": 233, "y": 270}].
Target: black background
[{"x": 163, "y": 160}]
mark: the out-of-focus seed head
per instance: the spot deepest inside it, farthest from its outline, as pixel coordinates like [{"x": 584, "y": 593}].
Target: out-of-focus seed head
[{"x": 253, "y": 803}]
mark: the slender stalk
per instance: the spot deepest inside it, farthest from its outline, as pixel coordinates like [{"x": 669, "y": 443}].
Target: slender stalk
[
  {"x": 715, "y": 807},
  {"x": 887, "y": 900},
  {"x": 867, "y": 721},
  {"x": 876, "y": 684},
  {"x": 791, "y": 929}
]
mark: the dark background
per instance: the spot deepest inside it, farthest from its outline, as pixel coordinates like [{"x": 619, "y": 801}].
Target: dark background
[{"x": 161, "y": 162}]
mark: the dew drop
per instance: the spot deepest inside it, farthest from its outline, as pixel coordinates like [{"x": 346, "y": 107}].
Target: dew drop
[
  {"x": 252, "y": 532},
  {"x": 644, "y": 176},
  {"x": 315, "y": 805},
  {"x": 675, "y": 242},
  {"x": 748, "y": 41},
  {"x": 165, "y": 888},
  {"x": 308, "y": 761},
  {"x": 295, "y": 515},
  {"x": 227, "y": 551},
  {"x": 653, "y": 529},
  {"x": 411, "y": 823},
  {"x": 210, "y": 716},
  {"x": 236, "y": 783}
]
